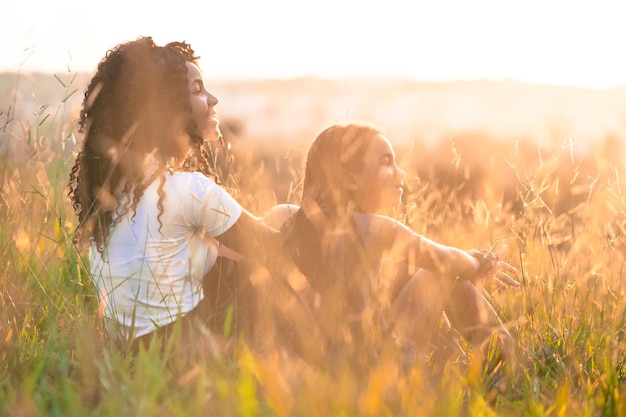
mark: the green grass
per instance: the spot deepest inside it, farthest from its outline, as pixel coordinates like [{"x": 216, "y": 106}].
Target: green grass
[{"x": 564, "y": 215}]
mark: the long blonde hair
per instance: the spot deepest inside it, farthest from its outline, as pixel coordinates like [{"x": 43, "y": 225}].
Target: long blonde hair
[{"x": 321, "y": 236}]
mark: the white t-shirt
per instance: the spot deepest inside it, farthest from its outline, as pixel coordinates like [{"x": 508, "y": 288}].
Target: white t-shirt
[{"x": 146, "y": 277}]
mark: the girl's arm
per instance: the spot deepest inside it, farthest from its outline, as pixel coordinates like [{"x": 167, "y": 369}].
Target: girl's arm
[
  {"x": 434, "y": 256},
  {"x": 253, "y": 239},
  {"x": 206, "y": 205},
  {"x": 393, "y": 239}
]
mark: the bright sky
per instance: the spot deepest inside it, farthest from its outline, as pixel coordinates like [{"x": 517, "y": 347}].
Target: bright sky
[{"x": 579, "y": 43}]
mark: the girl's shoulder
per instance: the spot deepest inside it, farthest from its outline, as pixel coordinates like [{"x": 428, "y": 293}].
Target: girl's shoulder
[
  {"x": 279, "y": 214},
  {"x": 190, "y": 181},
  {"x": 378, "y": 227},
  {"x": 375, "y": 220}
]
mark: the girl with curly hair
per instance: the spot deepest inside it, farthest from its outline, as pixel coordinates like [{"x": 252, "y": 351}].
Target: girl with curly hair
[{"x": 147, "y": 202}]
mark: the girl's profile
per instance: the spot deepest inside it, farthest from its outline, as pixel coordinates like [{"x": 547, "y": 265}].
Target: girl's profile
[{"x": 147, "y": 201}]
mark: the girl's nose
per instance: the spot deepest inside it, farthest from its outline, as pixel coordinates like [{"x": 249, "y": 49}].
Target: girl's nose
[
  {"x": 400, "y": 172},
  {"x": 212, "y": 100}
]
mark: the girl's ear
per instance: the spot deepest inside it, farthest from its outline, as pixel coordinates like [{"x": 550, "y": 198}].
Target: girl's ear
[{"x": 349, "y": 181}]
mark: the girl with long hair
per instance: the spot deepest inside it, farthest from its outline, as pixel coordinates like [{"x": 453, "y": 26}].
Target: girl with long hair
[
  {"x": 372, "y": 277},
  {"x": 147, "y": 201}
]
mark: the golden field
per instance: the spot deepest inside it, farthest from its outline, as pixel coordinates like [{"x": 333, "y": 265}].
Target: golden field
[{"x": 539, "y": 166}]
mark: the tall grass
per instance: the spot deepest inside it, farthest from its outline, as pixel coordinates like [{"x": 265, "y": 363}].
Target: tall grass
[{"x": 561, "y": 214}]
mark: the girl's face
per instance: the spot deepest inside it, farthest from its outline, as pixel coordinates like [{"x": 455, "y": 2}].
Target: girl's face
[
  {"x": 202, "y": 104},
  {"x": 379, "y": 182}
]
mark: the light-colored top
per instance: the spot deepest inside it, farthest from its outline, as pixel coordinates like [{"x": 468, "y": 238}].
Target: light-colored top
[{"x": 150, "y": 273}]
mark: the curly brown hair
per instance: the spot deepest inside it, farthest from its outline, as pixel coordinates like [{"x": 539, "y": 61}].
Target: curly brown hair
[{"x": 133, "y": 105}]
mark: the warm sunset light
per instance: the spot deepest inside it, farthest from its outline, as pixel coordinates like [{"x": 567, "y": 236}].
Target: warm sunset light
[
  {"x": 558, "y": 42},
  {"x": 457, "y": 171}
]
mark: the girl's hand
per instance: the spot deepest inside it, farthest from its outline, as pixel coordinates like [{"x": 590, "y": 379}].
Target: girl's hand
[{"x": 492, "y": 270}]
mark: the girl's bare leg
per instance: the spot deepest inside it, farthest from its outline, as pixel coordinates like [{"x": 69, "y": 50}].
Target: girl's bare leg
[
  {"x": 417, "y": 310},
  {"x": 472, "y": 315},
  {"x": 419, "y": 307}
]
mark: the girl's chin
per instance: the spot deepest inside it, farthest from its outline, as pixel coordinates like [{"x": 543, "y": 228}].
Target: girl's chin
[{"x": 212, "y": 134}]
